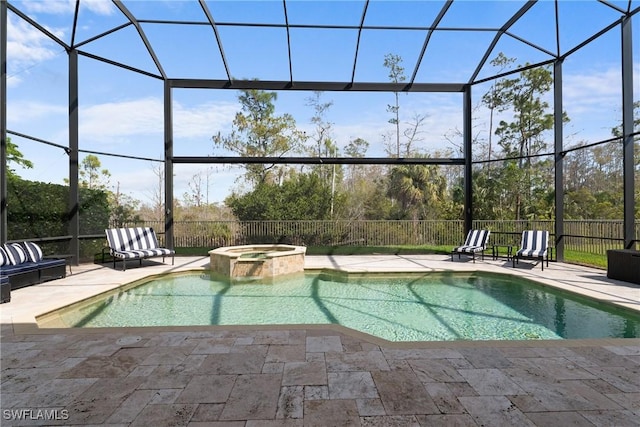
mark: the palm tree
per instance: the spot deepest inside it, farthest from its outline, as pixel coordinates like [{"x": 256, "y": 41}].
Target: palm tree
[{"x": 407, "y": 184}]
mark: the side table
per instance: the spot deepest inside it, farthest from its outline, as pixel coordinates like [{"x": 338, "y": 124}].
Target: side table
[
  {"x": 495, "y": 251},
  {"x": 67, "y": 259}
]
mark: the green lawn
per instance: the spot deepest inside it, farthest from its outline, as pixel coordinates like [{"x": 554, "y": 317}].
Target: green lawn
[{"x": 583, "y": 258}]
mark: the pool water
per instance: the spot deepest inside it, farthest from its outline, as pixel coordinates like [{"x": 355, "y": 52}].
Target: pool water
[{"x": 434, "y": 307}]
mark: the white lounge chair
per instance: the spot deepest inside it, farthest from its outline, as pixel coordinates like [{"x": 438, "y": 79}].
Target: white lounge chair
[
  {"x": 134, "y": 243},
  {"x": 475, "y": 242},
  {"x": 534, "y": 245}
]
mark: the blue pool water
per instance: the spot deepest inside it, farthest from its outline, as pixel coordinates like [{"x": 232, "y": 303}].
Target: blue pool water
[{"x": 412, "y": 308}]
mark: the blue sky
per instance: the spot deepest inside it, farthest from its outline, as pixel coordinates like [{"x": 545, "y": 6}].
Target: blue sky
[{"x": 121, "y": 111}]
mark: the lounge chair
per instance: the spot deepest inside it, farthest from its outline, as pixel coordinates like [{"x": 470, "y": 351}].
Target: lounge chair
[
  {"x": 534, "y": 245},
  {"x": 475, "y": 242},
  {"x": 134, "y": 243}
]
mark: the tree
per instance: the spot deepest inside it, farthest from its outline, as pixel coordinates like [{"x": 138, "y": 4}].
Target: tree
[
  {"x": 15, "y": 156},
  {"x": 324, "y": 143},
  {"x": 322, "y": 130},
  {"x": 157, "y": 194},
  {"x": 406, "y": 184},
  {"x": 302, "y": 197},
  {"x": 396, "y": 75},
  {"x": 493, "y": 99},
  {"x": 365, "y": 186},
  {"x": 196, "y": 197},
  {"x": 420, "y": 189},
  {"x": 356, "y": 148},
  {"x": 258, "y": 132},
  {"x": 91, "y": 176},
  {"x": 412, "y": 134},
  {"x": 522, "y": 138},
  {"x": 122, "y": 209}
]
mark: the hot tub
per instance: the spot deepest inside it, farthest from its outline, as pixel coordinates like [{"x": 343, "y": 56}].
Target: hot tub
[{"x": 256, "y": 262}]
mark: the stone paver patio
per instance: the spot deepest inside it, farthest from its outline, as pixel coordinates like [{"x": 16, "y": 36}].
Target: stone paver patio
[{"x": 319, "y": 375}]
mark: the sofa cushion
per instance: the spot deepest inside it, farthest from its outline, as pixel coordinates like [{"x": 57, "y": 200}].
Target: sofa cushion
[
  {"x": 33, "y": 251},
  {"x": 48, "y": 263},
  {"x": 16, "y": 253},
  {"x": 10, "y": 270},
  {"x": 4, "y": 258}
]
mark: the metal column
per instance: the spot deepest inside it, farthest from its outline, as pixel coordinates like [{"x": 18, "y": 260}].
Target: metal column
[
  {"x": 627, "y": 137},
  {"x": 3, "y": 121},
  {"x": 74, "y": 195},
  {"x": 168, "y": 166},
  {"x": 559, "y": 159},
  {"x": 468, "y": 152}
]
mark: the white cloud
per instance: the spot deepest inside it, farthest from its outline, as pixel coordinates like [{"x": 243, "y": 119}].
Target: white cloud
[
  {"x": 593, "y": 101},
  {"x": 203, "y": 120},
  {"x": 591, "y": 90},
  {"x": 104, "y": 122},
  {"x": 55, "y": 7},
  {"x": 122, "y": 121},
  {"x": 29, "y": 111},
  {"x": 27, "y": 46},
  {"x": 14, "y": 81},
  {"x": 100, "y": 7},
  {"x": 61, "y": 7}
]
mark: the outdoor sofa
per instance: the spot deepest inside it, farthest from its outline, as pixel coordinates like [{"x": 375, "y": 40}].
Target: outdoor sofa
[
  {"x": 5, "y": 289},
  {"x": 23, "y": 265},
  {"x": 134, "y": 243}
]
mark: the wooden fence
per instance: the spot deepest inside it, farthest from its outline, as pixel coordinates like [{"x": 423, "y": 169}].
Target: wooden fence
[{"x": 592, "y": 236}]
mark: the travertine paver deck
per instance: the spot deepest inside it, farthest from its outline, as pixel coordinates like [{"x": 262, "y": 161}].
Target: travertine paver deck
[{"x": 316, "y": 375}]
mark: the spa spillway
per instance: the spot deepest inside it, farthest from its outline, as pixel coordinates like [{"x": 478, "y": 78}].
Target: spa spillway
[{"x": 257, "y": 262}]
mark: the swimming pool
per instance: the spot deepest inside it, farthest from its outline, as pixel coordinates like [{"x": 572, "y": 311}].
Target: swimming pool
[{"x": 416, "y": 307}]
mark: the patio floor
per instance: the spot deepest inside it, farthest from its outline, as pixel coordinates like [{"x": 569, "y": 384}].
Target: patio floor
[{"x": 309, "y": 375}]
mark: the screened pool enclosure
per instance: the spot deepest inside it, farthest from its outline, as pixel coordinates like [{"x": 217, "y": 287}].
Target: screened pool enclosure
[{"x": 150, "y": 82}]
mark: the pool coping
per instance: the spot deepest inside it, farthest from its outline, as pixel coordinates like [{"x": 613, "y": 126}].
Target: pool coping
[{"x": 583, "y": 281}]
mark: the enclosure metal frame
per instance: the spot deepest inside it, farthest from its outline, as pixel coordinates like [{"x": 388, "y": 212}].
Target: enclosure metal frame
[
  {"x": 73, "y": 149},
  {"x": 3, "y": 121}
]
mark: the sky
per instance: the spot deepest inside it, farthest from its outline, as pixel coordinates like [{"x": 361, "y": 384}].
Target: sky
[{"x": 122, "y": 111}]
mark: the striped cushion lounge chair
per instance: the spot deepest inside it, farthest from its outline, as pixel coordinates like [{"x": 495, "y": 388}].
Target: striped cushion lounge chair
[
  {"x": 534, "y": 245},
  {"x": 475, "y": 242},
  {"x": 134, "y": 243}
]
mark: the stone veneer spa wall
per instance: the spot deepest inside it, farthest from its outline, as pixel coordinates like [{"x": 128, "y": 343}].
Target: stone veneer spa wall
[{"x": 255, "y": 262}]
